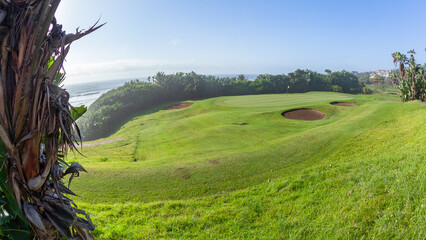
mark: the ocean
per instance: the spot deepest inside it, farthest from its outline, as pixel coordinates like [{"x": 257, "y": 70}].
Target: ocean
[{"x": 87, "y": 93}]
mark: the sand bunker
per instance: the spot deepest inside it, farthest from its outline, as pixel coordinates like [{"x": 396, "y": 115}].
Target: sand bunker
[
  {"x": 343, "y": 104},
  {"x": 304, "y": 114},
  {"x": 179, "y": 106}
]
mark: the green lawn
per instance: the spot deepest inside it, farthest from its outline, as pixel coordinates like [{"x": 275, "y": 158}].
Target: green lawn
[{"x": 234, "y": 168}]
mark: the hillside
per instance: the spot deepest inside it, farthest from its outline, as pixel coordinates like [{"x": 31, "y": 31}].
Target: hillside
[
  {"x": 119, "y": 105},
  {"x": 233, "y": 167}
]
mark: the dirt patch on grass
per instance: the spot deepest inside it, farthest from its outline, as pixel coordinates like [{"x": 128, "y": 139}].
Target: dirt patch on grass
[
  {"x": 213, "y": 161},
  {"x": 186, "y": 176},
  {"x": 183, "y": 173},
  {"x": 304, "y": 114},
  {"x": 179, "y": 106},
  {"x": 343, "y": 104},
  {"x": 103, "y": 142}
]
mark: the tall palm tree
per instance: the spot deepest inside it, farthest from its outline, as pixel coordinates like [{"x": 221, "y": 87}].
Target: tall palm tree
[
  {"x": 36, "y": 124},
  {"x": 400, "y": 59}
]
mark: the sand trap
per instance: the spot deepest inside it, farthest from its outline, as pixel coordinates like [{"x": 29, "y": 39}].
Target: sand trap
[
  {"x": 343, "y": 104},
  {"x": 179, "y": 106},
  {"x": 304, "y": 114},
  {"x": 103, "y": 142}
]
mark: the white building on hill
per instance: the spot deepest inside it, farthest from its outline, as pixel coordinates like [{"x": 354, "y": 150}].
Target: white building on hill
[{"x": 382, "y": 73}]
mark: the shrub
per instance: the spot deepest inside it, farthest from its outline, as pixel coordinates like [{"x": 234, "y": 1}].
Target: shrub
[
  {"x": 411, "y": 77},
  {"x": 336, "y": 88}
]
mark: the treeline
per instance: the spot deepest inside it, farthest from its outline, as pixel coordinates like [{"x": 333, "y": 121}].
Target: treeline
[{"x": 110, "y": 111}]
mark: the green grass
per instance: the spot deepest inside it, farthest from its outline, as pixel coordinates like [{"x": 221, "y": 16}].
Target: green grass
[
  {"x": 386, "y": 89},
  {"x": 201, "y": 174}
]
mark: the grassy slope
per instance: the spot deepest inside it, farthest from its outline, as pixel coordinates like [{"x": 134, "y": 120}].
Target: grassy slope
[{"x": 358, "y": 173}]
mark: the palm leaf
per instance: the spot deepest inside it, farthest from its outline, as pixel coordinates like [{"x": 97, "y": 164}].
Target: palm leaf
[{"x": 37, "y": 124}]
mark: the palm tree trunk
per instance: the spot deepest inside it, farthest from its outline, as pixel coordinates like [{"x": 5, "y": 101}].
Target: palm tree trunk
[{"x": 35, "y": 120}]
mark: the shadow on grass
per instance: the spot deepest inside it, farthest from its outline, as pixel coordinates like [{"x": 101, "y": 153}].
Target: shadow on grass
[{"x": 134, "y": 115}]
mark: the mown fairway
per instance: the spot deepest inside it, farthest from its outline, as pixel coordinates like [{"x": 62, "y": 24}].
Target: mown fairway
[{"x": 234, "y": 168}]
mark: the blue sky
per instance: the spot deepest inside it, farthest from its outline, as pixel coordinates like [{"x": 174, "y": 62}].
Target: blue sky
[{"x": 230, "y": 37}]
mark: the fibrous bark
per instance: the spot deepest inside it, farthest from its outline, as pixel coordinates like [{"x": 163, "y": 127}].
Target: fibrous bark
[{"x": 36, "y": 125}]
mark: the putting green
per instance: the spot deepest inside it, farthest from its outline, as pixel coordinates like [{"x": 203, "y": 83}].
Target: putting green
[{"x": 282, "y": 100}]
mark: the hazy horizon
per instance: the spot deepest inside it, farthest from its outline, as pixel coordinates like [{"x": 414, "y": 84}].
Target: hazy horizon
[{"x": 144, "y": 78}]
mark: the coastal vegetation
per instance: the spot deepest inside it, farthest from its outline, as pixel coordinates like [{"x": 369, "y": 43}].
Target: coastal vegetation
[
  {"x": 112, "y": 109},
  {"x": 233, "y": 168}
]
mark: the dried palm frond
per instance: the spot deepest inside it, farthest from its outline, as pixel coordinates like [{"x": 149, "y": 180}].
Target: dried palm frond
[{"x": 36, "y": 125}]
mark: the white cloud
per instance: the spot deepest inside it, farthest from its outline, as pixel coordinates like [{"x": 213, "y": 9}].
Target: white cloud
[{"x": 175, "y": 41}]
